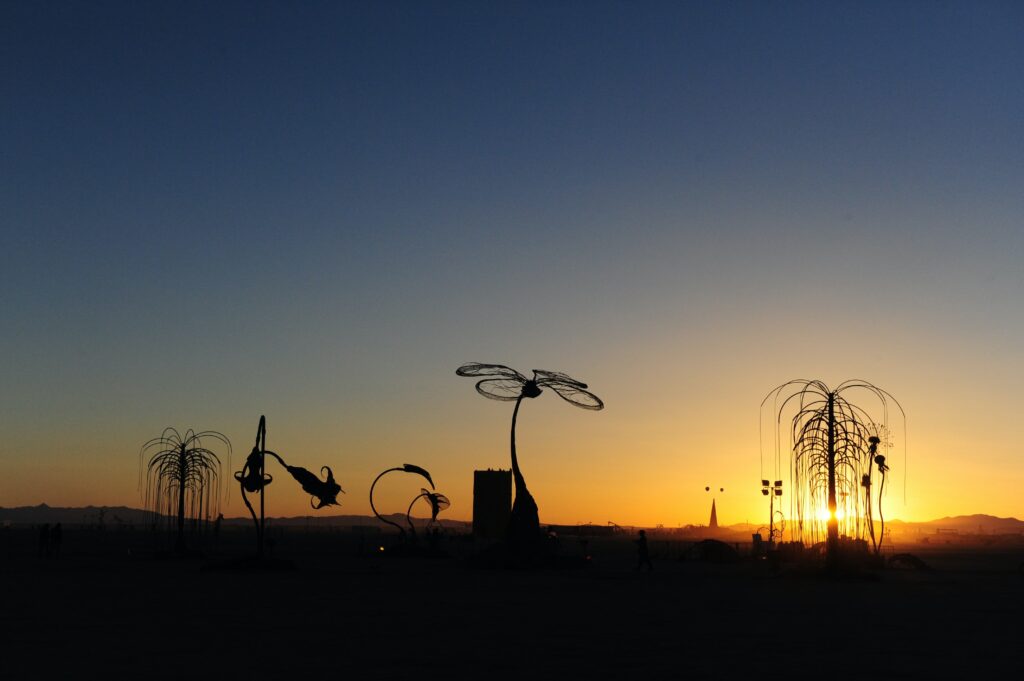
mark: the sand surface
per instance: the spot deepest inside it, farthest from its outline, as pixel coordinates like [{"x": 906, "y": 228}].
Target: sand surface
[{"x": 107, "y": 614}]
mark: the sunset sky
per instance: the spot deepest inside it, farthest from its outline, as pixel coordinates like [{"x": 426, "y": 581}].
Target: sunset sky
[{"x": 212, "y": 211}]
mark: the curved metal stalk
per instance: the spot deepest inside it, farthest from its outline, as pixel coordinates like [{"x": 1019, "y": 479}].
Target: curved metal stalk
[
  {"x": 406, "y": 468},
  {"x": 408, "y": 512}
]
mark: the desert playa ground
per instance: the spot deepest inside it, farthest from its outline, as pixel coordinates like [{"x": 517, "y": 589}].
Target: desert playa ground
[{"x": 349, "y": 610}]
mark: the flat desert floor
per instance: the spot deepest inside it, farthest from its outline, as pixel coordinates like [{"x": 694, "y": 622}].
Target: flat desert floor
[{"x": 110, "y": 614}]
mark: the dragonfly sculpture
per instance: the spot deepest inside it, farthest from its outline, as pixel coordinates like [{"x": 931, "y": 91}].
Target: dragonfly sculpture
[
  {"x": 253, "y": 478},
  {"x": 499, "y": 382}
]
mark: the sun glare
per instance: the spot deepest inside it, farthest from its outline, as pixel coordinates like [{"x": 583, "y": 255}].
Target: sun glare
[{"x": 824, "y": 515}]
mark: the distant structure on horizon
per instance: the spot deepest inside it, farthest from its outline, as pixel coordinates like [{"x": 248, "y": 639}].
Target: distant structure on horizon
[
  {"x": 713, "y": 523},
  {"x": 492, "y": 503}
]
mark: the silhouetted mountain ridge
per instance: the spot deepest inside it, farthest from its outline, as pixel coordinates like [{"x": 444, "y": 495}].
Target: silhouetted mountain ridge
[
  {"x": 113, "y": 516},
  {"x": 124, "y": 515}
]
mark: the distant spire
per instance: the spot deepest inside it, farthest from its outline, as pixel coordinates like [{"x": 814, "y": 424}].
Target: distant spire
[{"x": 714, "y": 517}]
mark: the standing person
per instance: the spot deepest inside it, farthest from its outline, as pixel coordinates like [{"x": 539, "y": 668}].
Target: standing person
[
  {"x": 44, "y": 540},
  {"x": 216, "y": 531},
  {"x": 55, "y": 538},
  {"x": 643, "y": 557}
]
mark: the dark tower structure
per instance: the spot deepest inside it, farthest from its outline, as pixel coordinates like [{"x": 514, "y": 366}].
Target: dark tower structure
[{"x": 492, "y": 503}]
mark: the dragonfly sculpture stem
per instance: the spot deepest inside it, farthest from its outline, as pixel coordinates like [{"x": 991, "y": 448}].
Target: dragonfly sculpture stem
[{"x": 525, "y": 518}]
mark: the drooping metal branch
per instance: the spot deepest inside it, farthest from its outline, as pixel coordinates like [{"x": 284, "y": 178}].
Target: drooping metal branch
[
  {"x": 405, "y": 468},
  {"x": 438, "y": 502}
]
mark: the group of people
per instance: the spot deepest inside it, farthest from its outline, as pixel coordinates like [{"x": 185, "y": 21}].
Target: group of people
[{"x": 49, "y": 540}]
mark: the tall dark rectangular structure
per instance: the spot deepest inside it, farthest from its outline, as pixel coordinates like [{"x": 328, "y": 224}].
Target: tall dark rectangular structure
[{"x": 492, "y": 503}]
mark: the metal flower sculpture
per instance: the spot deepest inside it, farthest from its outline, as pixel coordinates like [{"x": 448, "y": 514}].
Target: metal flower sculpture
[
  {"x": 253, "y": 478},
  {"x": 833, "y": 444},
  {"x": 500, "y": 382},
  {"x": 405, "y": 468},
  {"x": 438, "y": 502}
]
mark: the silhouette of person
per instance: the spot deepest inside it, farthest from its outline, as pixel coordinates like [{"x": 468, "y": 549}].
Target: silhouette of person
[
  {"x": 216, "y": 530},
  {"x": 643, "y": 557},
  {"x": 55, "y": 539},
  {"x": 433, "y": 539},
  {"x": 44, "y": 540}
]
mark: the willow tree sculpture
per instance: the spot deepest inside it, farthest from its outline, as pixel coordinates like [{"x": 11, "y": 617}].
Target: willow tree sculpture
[
  {"x": 833, "y": 444},
  {"x": 502, "y": 383},
  {"x": 253, "y": 478},
  {"x": 182, "y": 476},
  {"x": 404, "y": 468},
  {"x": 438, "y": 502}
]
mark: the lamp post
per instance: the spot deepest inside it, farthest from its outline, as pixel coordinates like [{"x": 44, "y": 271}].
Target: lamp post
[{"x": 771, "y": 491}]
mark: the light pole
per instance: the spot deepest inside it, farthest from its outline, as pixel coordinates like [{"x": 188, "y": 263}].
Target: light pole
[{"x": 771, "y": 491}]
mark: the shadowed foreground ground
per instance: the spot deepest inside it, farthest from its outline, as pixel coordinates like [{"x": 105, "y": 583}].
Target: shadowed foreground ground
[{"x": 371, "y": 617}]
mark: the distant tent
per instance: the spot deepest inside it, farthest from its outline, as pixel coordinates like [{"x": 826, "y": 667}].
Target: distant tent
[
  {"x": 713, "y": 524},
  {"x": 711, "y": 551}
]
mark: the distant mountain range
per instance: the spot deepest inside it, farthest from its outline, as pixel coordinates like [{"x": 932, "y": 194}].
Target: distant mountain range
[
  {"x": 978, "y": 523},
  {"x": 113, "y": 516}
]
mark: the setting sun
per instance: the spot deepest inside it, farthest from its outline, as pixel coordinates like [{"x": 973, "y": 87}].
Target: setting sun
[{"x": 823, "y": 515}]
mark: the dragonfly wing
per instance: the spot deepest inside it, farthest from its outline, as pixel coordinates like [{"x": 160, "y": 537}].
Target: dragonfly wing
[
  {"x": 544, "y": 377},
  {"x": 573, "y": 394},
  {"x": 476, "y": 369},
  {"x": 507, "y": 390}
]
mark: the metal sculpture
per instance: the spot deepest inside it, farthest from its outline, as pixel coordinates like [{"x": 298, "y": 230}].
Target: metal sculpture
[
  {"x": 502, "y": 383},
  {"x": 438, "y": 502},
  {"x": 182, "y": 474},
  {"x": 833, "y": 444},
  {"x": 404, "y": 468},
  {"x": 253, "y": 478}
]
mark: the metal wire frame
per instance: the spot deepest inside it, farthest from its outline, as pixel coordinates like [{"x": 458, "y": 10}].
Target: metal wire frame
[
  {"x": 182, "y": 477},
  {"x": 832, "y": 445}
]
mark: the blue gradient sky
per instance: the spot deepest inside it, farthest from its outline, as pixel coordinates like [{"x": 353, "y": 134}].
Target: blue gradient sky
[{"x": 318, "y": 212}]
